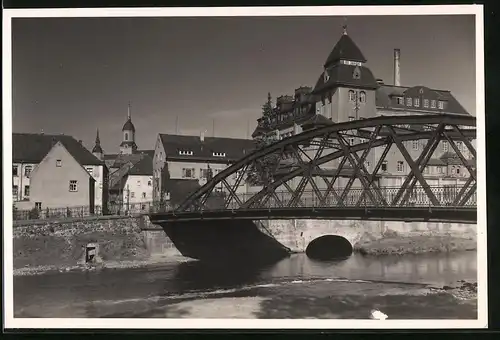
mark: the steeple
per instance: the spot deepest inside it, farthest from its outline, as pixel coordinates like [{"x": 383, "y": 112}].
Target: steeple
[
  {"x": 345, "y": 49},
  {"x": 97, "y": 150},
  {"x": 128, "y": 145}
]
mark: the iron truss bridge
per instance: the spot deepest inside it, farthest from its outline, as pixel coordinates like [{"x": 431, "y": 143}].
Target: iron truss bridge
[{"x": 324, "y": 173}]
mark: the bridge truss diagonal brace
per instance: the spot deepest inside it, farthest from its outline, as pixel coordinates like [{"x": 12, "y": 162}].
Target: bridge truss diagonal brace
[
  {"x": 374, "y": 173},
  {"x": 423, "y": 159},
  {"x": 360, "y": 165},
  {"x": 413, "y": 166},
  {"x": 349, "y": 154},
  {"x": 469, "y": 145}
]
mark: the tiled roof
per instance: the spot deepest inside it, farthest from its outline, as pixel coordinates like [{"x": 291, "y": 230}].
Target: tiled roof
[
  {"x": 384, "y": 94},
  {"x": 342, "y": 75},
  {"x": 142, "y": 168},
  {"x": 435, "y": 161},
  {"x": 228, "y": 149},
  {"x": 345, "y": 49},
  {"x": 179, "y": 189},
  {"x": 32, "y": 148}
]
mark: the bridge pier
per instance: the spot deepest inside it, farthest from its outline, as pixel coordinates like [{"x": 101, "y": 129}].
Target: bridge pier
[{"x": 297, "y": 234}]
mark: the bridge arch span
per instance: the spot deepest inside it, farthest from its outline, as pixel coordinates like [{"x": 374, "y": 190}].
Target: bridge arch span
[
  {"x": 332, "y": 162},
  {"x": 329, "y": 247}
]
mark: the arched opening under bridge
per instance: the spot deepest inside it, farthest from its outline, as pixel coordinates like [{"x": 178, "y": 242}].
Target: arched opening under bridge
[{"x": 329, "y": 247}]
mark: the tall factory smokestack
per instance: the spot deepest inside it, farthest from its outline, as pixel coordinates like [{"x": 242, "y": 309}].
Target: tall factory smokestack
[{"x": 397, "y": 67}]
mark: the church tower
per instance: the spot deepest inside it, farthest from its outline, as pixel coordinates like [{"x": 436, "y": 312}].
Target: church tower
[
  {"x": 128, "y": 145},
  {"x": 346, "y": 88},
  {"x": 97, "y": 150}
]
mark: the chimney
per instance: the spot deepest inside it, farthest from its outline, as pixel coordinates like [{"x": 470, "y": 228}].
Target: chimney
[
  {"x": 202, "y": 136},
  {"x": 397, "y": 67}
]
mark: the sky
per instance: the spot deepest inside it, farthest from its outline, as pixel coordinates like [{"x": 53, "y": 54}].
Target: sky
[{"x": 76, "y": 75}]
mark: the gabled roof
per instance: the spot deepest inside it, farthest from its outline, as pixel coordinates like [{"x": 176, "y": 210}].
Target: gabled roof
[
  {"x": 345, "y": 49},
  {"x": 142, "y": 168},
  {"x": 342, "y": 75},
  {"x": 384, "y": 94},
  {"x": 228, "y": 149},
  {"x": 33, "y": 147},
  {"x": 59, "y": 144}
]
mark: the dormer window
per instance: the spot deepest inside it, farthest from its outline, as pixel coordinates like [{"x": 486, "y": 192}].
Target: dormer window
[
  {"x": 400, "y": 100},
  {"x": 219, "y": 154},
  {"x": 416, "y": 102},
  {"x": 362, "y": 97},
  {"x": 350, "y": 62},
  {"x": 433, "y": 104},
  {"x": 352, "y": 96},
  {"x": 441, "y": 104},
  {"x": 408, "y": 101},
  {"x": 185, "y": 153},
  {"x": 426, "y": 103}
]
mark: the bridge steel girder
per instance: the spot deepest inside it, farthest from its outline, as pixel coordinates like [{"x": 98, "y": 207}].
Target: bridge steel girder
[{"x": 331, "y": 147}]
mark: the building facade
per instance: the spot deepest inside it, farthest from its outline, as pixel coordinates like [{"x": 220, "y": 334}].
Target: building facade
[
  {"x": 347, "y": 90},
  {"x": 190, "y": 161},
  {"x": 60, "y": 181},
  {"x": 28, "y": 152}
]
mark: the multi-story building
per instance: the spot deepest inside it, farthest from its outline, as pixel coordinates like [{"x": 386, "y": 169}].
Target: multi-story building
[
  {"x": 347, "y": 90},
  {"x": 29, "y": 150},
  {"x": 137, "y": 186},
  {"x": 183, "y": 163}
]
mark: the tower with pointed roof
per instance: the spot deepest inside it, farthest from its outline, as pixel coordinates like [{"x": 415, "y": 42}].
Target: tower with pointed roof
[
  {"x": 346, "y": 87},
  {"x": 97, "y": 150},
  {"x": 128, "y": 145}
]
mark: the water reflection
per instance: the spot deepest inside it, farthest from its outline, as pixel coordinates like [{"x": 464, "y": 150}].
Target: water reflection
[{"x": 128, "y": 292}]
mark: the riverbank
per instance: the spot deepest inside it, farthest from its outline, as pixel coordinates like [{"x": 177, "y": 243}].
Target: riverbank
[
  {"x": 399, "y": 245},
  {"x": 128, "y": 264}
]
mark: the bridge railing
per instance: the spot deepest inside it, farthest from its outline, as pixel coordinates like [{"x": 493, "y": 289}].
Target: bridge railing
[{"x": 446, "y": 196}]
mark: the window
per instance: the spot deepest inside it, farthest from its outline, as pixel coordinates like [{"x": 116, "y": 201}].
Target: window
[
  {"x": 457, "y": 170},
  {"x": 132, "y": 194},
  {"x": 126, "y": 136},
  {"x": 143, "y": 195},
  {"x": 188, "y": 173},
  {"x": 426, "y": 103},
  {"x": 204, "y": 173},
  {"x": 89, "y": 170},
  {"x": 14, "y": 170},
  {"x": 408, "y": 101},
  {"x": 27, "y": 190},
  {"x": 143, "y": 207},
  {"x": 400, "y": 100},
  {"x": 415, "y": 144},
  {"x": 38, "y": 205},
  {"x": 445, "y": 146},
  {"x": 73, "y": 186},
  {"x": 351, "y": 118},
  {"x": 351, "y": 140},
  {"x": 149, "y": 183},
  {"x": 401, "y": 166},
  {"x": 185, "y": 153},
  {"x": 440, "y": 169},
  {"x": 426, "y": 170},
  {"x": 15, "y": 191},
  {"x": 58, "y": 163},
  {"x": 416, "y": 102},
  {"x": 384, "y": 166},
  {"x": 221, "y": 154},
  {"x": 367, "y": 164},
  {"x": 362, "y": 97},
  {"x": 441, "y": 104},
  {"x": 27, "y": 170},
  {"x": 352, "y": 96},
  {"x": 433, "y": 103}
]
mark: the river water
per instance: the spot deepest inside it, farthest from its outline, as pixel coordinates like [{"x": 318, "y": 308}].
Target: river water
[{"x": 296, "y": 287}]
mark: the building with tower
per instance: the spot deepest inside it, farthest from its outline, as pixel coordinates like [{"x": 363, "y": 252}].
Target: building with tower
[
  {"x": 347, "y": 90},
  {"x": 128, "y": 146}
]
